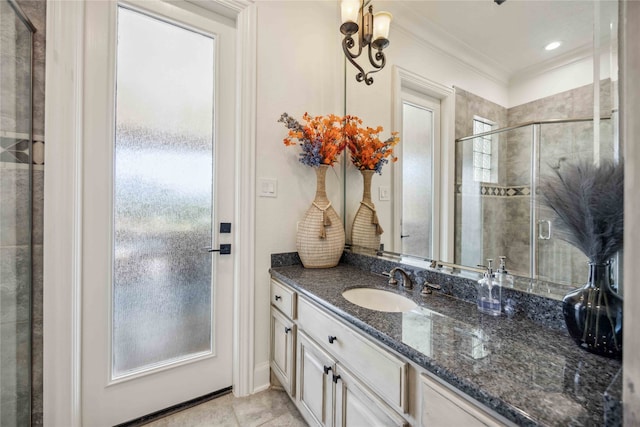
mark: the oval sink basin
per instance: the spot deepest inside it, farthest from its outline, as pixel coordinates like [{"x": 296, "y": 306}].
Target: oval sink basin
[{"x": 377, "y": 299}]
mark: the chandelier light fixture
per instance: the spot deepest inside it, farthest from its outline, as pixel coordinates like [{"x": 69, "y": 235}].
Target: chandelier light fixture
[{"x": 372, "y": 33}]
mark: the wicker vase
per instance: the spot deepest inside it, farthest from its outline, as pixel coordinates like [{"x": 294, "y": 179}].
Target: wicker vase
[
  {"x": 366, "y": 229},
  {"x": 320, "y": 238}
]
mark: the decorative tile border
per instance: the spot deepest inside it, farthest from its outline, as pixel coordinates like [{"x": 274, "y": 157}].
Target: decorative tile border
[
  {"x": 499, "y": 191},
  {"x": 14, "y": 148}
]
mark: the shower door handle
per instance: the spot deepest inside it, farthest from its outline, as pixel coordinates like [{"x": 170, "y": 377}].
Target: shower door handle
[{"x": 541, "y": 234}]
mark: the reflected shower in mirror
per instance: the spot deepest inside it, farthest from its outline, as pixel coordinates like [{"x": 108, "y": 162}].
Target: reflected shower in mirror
[{"x": 485, "y": 66}]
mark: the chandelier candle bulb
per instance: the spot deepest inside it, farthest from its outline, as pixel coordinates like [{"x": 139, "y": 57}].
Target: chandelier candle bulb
[
  {"x": 350, "y": 9},
  {"x": 381, "y": 24}
]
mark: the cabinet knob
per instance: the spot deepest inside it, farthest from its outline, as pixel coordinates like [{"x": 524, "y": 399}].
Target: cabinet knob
[
  {"x": 336, "y": 378},
  {"x": 332, "y": 339},
  {"x": 287, "y": 330},
  {"x": 278, "y": 297},
  {"x": 327, "y": 369}
]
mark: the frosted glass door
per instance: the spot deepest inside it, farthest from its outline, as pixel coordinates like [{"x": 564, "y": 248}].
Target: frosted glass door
[
  {"x": 163, "y": 194},
  {"x": 417, "y": 185}
]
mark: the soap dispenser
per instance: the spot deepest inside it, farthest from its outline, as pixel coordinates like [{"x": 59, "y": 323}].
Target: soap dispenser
[
  {"x": 502, "y": 275},
  {"x": 489, "y": 293}
]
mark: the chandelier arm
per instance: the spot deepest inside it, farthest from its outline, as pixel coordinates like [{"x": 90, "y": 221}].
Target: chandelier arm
[
  {"x": 378, "y": 61},
  {"x": 380, "y": 57},
  {"x": 348, "y": 43}
]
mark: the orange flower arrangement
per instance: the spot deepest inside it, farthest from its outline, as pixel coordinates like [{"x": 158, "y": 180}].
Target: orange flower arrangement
[
  {"x": 321, "y": 138},
  {"x": 368, "y": 152}
]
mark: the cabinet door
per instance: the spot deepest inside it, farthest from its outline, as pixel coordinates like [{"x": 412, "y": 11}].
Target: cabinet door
[
  {"x": 355, "y": 405},
  {"x": 382, "y": 371},
  {"x": 283, "y": 333},
  {"x": 443, "y": 407},
  {"x": 315, "y": 391}
]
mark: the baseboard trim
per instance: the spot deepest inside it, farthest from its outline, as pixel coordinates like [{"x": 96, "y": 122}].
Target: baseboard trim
[{"x": 261, "y": 377}]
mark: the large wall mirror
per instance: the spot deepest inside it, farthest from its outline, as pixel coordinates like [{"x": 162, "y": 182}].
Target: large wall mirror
[{"x": 459, "y": 69}]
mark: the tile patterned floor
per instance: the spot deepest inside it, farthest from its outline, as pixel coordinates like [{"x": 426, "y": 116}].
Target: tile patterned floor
[{"x": 271, "y": 408}]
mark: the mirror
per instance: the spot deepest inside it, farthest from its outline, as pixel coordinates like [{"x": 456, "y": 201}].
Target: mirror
[{"x": 457, "y": 69}]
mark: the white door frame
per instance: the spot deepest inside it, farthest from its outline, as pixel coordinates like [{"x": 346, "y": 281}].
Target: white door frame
[{"x": 63, "y": 230}]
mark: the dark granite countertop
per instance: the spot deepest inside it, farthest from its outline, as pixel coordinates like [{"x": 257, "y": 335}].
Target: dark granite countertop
[{"x": 530, "y": 374}]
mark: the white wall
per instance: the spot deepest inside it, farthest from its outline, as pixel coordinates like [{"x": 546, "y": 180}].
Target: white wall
[{"x": 300, "y": 69}]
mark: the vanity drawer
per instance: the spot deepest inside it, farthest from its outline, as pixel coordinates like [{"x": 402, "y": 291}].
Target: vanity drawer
[
  {"x": 443, "y": 405},
  {"x": 284, "y": 299},
  {"x": 378, "y": 368}
]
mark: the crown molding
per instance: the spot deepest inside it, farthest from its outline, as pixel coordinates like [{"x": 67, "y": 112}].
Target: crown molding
[
  {"x": 477, "y": 65},
  {"x": 444, "y": 43}
]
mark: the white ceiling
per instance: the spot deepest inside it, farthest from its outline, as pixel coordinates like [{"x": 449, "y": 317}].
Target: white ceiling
[
  {"x": 504, "y": 40},
  {"x": 510, "y": 37}
]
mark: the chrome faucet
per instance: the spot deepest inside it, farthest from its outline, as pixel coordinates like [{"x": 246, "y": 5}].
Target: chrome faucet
[{"x": 406, "y": 279}]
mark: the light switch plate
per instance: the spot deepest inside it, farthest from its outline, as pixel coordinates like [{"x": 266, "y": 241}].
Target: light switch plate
[
  {"x": 268, "y": 187},
  {"x": 384, "y": 193}
]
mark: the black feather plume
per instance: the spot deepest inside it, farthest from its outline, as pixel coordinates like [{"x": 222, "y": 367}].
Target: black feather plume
[{"x": 588, "y": 201}]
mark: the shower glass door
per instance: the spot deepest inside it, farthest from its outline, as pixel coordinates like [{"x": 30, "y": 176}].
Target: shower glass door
[
  {"x": 493, "y": 199},
  {"x": 15, "y": 216},
  {"x": 558, "y": 261}
]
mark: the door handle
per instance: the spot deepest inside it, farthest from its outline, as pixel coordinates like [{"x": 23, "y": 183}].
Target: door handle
[
  {"x": 287, "y": 330},
  {"x": 332, "y": 339},
  {"x": 402, "y": 236},
  {"x": 225, "y": 249},
  {"x": 326, "y": 369}
]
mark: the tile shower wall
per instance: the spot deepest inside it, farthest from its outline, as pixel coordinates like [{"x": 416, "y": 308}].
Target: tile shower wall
[
  {"x": 505, "y": 205},
  {"x": 15, "y": 263},
  {"x": 14, "y": 175},
  {"x": 476, "y": 220}
]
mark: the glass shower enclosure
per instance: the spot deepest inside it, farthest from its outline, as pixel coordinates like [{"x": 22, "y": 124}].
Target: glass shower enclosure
[
  {"x": 16, "y": 131},
  {"x": 498, "y": 209}
]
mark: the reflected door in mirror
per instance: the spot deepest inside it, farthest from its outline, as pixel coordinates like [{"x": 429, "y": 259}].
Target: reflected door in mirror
[{"x": 420, "y": 128}]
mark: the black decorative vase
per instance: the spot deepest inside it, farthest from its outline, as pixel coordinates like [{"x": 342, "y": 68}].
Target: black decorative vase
[{"x": 593, "y": 314}]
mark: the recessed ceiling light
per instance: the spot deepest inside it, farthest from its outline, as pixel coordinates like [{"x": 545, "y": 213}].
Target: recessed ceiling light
[{"x": 552, "y": 45}]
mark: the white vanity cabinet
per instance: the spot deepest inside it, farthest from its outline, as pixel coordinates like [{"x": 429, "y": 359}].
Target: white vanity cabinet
[
  {"x": 382, "y": 371},
  {"x": 329, "y": 395},
  {"x": 338, "y": 376},
  {"x": 343, "y": 378},
  {"x": 283, "y": 335}
]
